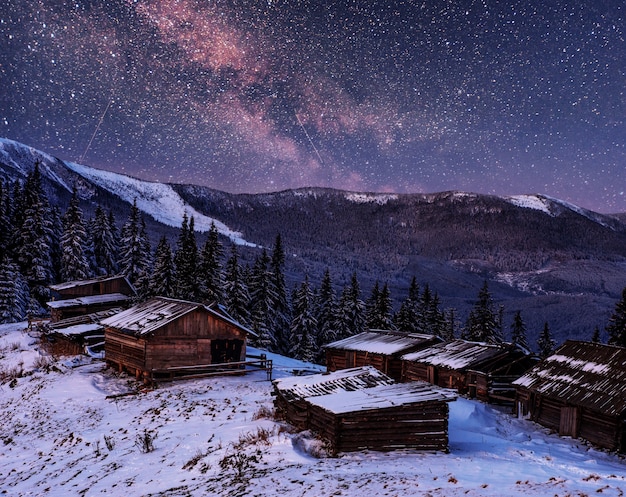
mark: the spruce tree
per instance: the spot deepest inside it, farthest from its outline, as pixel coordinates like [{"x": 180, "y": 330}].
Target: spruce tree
[
  {"x": 105, "y": 243},
  {"x": 545, "y": 343},
  {"x": 74, "y": 243},
  {"x": 595, "y": 338},
  {"x": 451, "y": 325},
  {"x": 279, "y": 307},
  {"x": 617, "y": 323},
  {"x": 186, "y": 286},
  {"x": 518, "y": 332},
  {"x": 237, "y": 298},
  {"x": 134, "y": 247},
  {"x": 406, "y": 319},
  {"x": 482, "y": 324},
  {"x": 352, "y": 318},
  {"x": 162, "y": 278},
  {"x": 261, "y": 300},
  {"x": 303, "y": 325},
  {"x": 6, "y": 218},
  {"x": 326, "y": 312},
  {"x": 371, "y": 307},
  {"x": 14, "y": 294},
  {"x": 211, "y": 276}
]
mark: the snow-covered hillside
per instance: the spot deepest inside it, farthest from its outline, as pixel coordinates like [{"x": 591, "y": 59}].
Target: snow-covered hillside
[{"x": 61, "y": 435}]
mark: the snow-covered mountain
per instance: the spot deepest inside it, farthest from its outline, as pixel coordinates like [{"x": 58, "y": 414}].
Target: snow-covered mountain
[{"x": 69, "y": 430}]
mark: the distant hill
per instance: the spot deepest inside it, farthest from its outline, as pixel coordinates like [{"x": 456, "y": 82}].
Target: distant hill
[{"x": 554, "y": 261}]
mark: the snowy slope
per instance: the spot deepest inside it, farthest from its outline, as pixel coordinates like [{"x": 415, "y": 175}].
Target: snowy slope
[{"x": 213, "y": 438}]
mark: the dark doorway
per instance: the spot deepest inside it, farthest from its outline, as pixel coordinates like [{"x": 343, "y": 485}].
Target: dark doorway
[{"x": 223, "y": 351}]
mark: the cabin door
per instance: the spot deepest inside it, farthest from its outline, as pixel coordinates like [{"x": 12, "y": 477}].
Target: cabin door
[
  {"x": 223, "y": 351},
  {"x": 568, "y": 426},
  {"x": 431, "y": 375}
]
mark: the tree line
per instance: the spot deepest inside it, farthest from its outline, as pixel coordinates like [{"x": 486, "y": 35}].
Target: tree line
[{"x": 40, "y": 247}]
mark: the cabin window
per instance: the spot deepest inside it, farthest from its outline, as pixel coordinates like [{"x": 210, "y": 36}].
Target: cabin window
[{"x": 223, "y": 351}]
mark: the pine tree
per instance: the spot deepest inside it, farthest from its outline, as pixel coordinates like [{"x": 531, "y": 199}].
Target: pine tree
[
  {"x": 518, "y": 332},
  {"x": 211, "y": 276},
  {"x": 134, "y": 247},
  {"x": 14, "y": 294},
  {"x": 261, "y": 300},
  {"x": 482, "y": 325},
  {"x": 451, "y": 325},
  {"x": 371, "y": 307},
  {"x": 6, "y": 218},
  {"x": 545, "y": 342},
  {"x": 105, "y": 243},
  {"x": 187, "y": 285},
  {"x": 162, "y": 279},
  {"x": 74, "y": 243},
  {"x": 352, "y": 319},
  {"x": 303, "y": 325},
  {"x": 237, "y": 298},
  {"x": 617, "y": 323},
  {"x": 279, "y": 307},
  {"x": 435, "y": 319},
  {"x": 596, "y": 335},
  {"x": 326, "y": 312},
  {"x": 35, "y": 236},
  {"x": 406, "y": 319},
  {"x": 379, "y": 309}
]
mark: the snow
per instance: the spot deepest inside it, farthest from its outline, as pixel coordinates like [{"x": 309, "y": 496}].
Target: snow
[
  {"x": 367, "y": 198},
  {"x": 213, "y": 438},
  {"x": 381, "y": 342},
  {"x": 158, "y": 200},
  {"x": 530, "y": 202}
]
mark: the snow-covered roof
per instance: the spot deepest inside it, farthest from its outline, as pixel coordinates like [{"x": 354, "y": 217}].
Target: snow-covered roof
[
  {"x": 342, "y": 381},
  {"x": 458, "y": 354},
  {"x": 80, "y": 329},
  {"x": 382, "y": 342},
  {"x": 382, "y": 397},
  {"x": 78, "y": 283},
  {"x": 152, "y": 314},
  {"x": 587, "y": 374},
  {"x": 105, "y": 298}
]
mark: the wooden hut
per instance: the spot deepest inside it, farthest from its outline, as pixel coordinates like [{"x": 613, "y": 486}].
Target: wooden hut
[
  {"x": 90, "y": 304},
  {"x": 481, "y": 370},
  {"x": 162, "y": 337},
  {"x": 579, "y": 391},
  {"x": 381, "y": 349},
  {"x": 290, "y": 393},
  {"x": 383, "y": 418},
  {"x": 95, "y": 286}
]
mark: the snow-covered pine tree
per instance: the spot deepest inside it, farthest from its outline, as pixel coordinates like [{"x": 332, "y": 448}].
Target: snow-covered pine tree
[
  {"x": 518, "y": 332},
  {"x": 186, "y": 284},
  {"x": 14, "y": 294},
  {"x": 617, "y": 323},
  {"x": 351, "y": 311},
  {"x": 406, "y": 319},
  {"x": 435, "y": 318},
  {"x": 6, "y": 217},
  {"x": 280, "y": 307},
  {"x": 236, "y": 296},
  {"x": 211, "y": 276},
  {"x": 34, "y": 237},
  {"x": 327, "y": 315},
  {"x": 74, "y": 243},
  {"x": 303, "y": 324},
  {"x": 371, "y": 307},
  {"x": 482, "y": 324},
  {"x": 451, "y": 326},
  {"x": 262, "y": 299},
  {"x": 595, "y": 338},
  {"x": 104, "y": 242},
  {"x": 134, "y": 252},
  {"x": 545, "y": 343},
  {"x": 162, "y": 278}
]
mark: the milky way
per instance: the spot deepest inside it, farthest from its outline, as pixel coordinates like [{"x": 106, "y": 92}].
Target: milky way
[{"x": 243, "y": 96}]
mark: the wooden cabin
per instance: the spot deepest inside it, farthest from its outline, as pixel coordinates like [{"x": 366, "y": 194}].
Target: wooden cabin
[
  {"x": 90, "y": 304},
  {"x": 388, "y": 417},
  {"x": 290, "y": 393},
  {"x": 378, "y": 348},
  {"x": 162, "y": 335},
  {"x": 478, "y": 369},
  {"x": 95, "y": 286},
  {"x": 579, "y": 391}
]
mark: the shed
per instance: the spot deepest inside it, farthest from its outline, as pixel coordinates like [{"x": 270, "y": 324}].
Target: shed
[
  {"x": 161, "y": 335},
  {"x": 79, "y": 306},
  {"x": 383, "y": 418},
  {"x": 94, "y": 286},
  {"x": 479, "y": 369},
  {"x": 290, "y": 393},
  {"x": 378, "y": 348},
  {"x": 579, "y": 391}
]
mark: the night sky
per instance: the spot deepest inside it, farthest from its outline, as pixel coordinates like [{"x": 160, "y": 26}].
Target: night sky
[{"x": 243, "y": 96}]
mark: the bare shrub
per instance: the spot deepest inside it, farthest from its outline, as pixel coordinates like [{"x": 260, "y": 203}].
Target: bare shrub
[
  {"x": 260, "y": 437},
  {"x": 264, "y": 412},
  {"x": 109, "y": 442},
  {"x": 145, "y": 441}
]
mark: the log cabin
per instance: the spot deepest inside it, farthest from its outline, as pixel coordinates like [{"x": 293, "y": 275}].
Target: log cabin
[
  {"x": 579, "y": 391},
  {"x": 162, "y": 335},
  {"x": 477, "y": 369},
  {"x": 94, "y": 286},
  {"x": 378, "y": 348}
]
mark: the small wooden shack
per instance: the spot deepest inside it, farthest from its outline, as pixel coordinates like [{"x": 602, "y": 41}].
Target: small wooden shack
[
  {"x": 383, "y": 418},
  {"x": 290, "y": 393},
  {"x": 95, "y": 286},
  {"x": 579, "y": 391},
  {"x": 378, "y": 348},
  {"x": 90, "y": 304},
  {"x": 162, "y": 336},
  {"x": 481, "y": 370}
]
